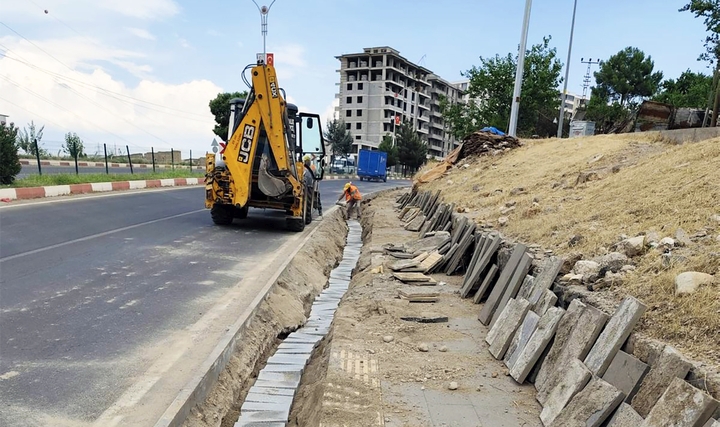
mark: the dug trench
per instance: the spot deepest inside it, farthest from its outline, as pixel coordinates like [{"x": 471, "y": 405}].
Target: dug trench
[{"x": 285, "y": 309}]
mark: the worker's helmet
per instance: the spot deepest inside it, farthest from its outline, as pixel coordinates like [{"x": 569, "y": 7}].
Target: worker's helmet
[
  {"x": 346, "y": 186},
  {"x": 306, "y": 158}
]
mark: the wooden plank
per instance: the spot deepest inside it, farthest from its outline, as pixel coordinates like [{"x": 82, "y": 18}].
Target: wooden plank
[
  {"x": 488, "y": 310},
  {"x": 431, "y": 261},
  {"x": 482, "y": 290},
  {"x": 513, "y": 285}
]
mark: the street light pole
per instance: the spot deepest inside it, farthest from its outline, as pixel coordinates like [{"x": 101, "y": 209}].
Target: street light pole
[
  {"x": 567, "y": 74},
  {"x": 512, "y": 129}
]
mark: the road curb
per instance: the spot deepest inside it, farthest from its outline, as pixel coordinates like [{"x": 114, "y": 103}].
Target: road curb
[{"x": 24, "y": 193}]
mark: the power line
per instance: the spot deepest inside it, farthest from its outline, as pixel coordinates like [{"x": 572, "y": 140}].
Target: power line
[
  {"x": 101, "y": 88},
  {"x": 51, "y": 102},
  {"x": 84, "y": 97},
  {"x": 38, "y": 47}
]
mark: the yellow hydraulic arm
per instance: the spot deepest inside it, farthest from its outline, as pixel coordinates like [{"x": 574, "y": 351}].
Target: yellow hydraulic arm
[{"x": 266, "y": 111}]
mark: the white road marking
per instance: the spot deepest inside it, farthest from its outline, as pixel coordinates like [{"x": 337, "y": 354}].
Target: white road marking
[{"x": 105, "y": 233}]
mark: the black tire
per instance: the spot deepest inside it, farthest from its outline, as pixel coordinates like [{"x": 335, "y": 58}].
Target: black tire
[
  {"x": 295, "y": 224},
  {"x": 241, "y": 213},
  {"x": 222, "y": 214}
]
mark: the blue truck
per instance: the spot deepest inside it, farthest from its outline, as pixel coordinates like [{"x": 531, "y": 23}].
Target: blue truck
[{"x": 372, "y": 165}]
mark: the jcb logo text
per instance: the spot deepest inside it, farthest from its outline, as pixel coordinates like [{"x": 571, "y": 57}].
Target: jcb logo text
[{"x": 246, "y": 144}]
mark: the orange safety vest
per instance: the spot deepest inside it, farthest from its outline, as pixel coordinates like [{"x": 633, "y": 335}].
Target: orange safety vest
[{"x": 352, "y": 193}]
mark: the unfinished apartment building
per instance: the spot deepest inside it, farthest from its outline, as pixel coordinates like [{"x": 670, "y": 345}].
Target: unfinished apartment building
[{"x": 377, "y": 85}]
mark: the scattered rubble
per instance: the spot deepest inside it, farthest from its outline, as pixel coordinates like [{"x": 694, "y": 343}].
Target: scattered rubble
[{"x": 689, "y": 282}]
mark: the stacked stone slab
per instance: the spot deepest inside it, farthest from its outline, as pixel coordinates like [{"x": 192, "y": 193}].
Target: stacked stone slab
[{"x": 572, "y": 356}]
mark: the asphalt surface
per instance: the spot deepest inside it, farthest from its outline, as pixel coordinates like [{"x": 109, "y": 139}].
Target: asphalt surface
[{"x": 88, "y": 285}]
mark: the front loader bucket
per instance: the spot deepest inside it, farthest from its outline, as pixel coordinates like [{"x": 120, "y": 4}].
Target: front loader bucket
[{"x": 271, "y": 186}]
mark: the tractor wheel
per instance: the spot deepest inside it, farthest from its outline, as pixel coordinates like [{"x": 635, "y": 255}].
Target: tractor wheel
[
  {"x": 241, "y": 213},
  {"x": 222, "y": 214}
]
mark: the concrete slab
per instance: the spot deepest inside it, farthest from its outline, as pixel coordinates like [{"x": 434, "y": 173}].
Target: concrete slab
[
  {"x": 488, "y": 309},
  {"x": 681, "y": 405},
  {"x": 513, "y": 285},
  {"x": 591, "y": 407},
  {"x": 261, "y": 418},
  {"x": 546, "y": 277},
  {"x": 625, "y": 416},
  {"x": 275, "y": 384},
  {"x": 671, "y": 364},
  {"x": 521, "y": 338},
  {"x": 526, "y": 288},
  {"x": 500, "y": 335},
  {"x": 546, "y": 300},
  {"x": 575, "y": 377},
  {"x": 287, "y": 359},
  {"x": 286, "y": 376},
  {"x": 272, "y": 391},
  {"x": 280, "y": 407},
  {"x": 626, "y": 372},
  {"x": 536, "y": 345},
  {"x": 616, "y": 331},
  {"x": 492, "y": 243},
  {"x": 712, "y": 423},
  {"x": 582, "y": 337},
  {"x": 566, "y": 326},
  {"x": 485, "y": 285},
  {"x": 259, "y": 424},
  {"x": 281, "y": 368}
]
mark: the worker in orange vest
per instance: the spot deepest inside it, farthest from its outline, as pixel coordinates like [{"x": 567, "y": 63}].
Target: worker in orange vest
[{"x": 352, "y": 199}]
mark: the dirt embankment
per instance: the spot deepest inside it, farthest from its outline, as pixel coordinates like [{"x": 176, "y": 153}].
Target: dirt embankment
[
  {"x": 284, "y": 310},
  {"x": 585, "y": 197}
]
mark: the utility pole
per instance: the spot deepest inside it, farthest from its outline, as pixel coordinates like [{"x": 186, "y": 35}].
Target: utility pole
[
  {"x": 567, "y": 74},
  {"x": 586, "y": 79},
  {"x": 264, "y": 10},
  {"x": 512, "y": 129}
]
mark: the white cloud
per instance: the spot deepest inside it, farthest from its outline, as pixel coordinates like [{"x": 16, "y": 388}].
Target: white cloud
[
  {"x": 213, "y": 33},
  {"x": 78, "y": 100},
  {"x": 329, "y": 112},
  {"x": 184, "y": 43},
  {"x": 289, "y": 59},
  {"x": 139, "y": 32},
  {"x": 144, "y": 9}
]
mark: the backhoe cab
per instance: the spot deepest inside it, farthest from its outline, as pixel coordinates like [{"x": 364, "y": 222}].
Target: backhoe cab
[{"x": 261, "y": 165}]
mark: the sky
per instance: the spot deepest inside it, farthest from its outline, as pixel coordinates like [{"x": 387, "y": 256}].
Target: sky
[{"x": 141, "y": 72}]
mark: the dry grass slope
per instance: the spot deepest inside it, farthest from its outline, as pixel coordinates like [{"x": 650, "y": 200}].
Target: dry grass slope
[{"x": 601, "y": 188}]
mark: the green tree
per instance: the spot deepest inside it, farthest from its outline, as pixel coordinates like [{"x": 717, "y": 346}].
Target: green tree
[
  {"x": 709, "y": 10},
  {"x": 338, "y": 137},
  {"x": 74, "y": 145},
  {"x": 492, "y": 84},
  {"x": 9, "y": 161},
  {"x": 26, "y": 139},
  {"x": 604, "y": 112},
  {"x": 412, "y": 151},
  {"x": 689, "y": 90},
  {"x": 628, "y": 75},
  {"x": 392, "y": 151},
  {"x": 220, "y": 108}
]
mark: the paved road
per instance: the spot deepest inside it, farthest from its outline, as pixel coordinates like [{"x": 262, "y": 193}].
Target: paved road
[{"x": 91, "y": 286}]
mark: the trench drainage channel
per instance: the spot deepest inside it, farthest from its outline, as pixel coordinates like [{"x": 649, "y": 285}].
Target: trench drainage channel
[{"x": 270, "y": 399}]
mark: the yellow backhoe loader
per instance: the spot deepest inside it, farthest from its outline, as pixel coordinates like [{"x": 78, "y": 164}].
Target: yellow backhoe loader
[{"x": 261, "y": 165}]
